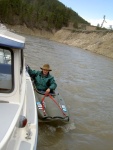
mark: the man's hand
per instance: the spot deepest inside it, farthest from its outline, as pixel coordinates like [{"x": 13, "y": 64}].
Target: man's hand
[
  {"x": 27, "y": 68},
  {"x": 47, "y": 91}
]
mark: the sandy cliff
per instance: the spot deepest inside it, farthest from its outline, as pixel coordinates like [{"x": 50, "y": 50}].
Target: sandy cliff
[{"x": 100, "y": 42}]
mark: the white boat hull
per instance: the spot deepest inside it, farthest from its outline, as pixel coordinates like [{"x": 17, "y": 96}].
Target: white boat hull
[{"x": 18, "y": 112}]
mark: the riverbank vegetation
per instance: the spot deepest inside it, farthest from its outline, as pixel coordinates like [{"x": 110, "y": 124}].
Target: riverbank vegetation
[{"x": 41, "y": 14}]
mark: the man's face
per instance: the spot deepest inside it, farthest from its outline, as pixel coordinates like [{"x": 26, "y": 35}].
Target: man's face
[{"x": 45, "y": 72}]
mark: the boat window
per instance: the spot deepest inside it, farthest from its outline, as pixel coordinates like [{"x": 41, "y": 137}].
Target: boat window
[{"x": 6, "y": 70}]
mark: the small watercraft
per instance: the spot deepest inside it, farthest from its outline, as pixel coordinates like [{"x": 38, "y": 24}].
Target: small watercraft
[{"x": 51, "y": 107}]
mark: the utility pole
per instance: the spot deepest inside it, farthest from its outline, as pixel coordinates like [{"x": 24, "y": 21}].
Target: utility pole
[{"x": 103, "y": 21}]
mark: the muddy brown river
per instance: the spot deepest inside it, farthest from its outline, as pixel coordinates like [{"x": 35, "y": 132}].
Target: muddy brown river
[{"x": 85, "y": 81}]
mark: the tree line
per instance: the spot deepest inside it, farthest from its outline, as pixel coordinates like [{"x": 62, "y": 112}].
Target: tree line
[{"x": 41, "y": 14}]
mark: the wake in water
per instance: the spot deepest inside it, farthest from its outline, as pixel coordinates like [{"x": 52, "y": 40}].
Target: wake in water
[{"x": 50, "y": 135}]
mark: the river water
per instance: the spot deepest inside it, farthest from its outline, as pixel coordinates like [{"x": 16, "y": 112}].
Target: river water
[{"x": 85, "y": 81}]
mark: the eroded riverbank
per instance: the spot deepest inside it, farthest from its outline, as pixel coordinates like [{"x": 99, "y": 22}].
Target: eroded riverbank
[{"x": 98, "y": 42}]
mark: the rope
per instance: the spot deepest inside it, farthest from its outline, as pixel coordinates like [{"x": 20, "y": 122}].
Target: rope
[
  {"x": 43, "y": 105},
  {"x": 51, "y": 97},
  {"x": 57, "y": 104}
]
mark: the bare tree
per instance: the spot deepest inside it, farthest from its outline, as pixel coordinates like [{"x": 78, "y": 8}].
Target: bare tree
[{"x": 104, "y": 21}]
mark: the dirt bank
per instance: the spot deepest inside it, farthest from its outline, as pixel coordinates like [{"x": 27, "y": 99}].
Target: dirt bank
[
  {"x": 35, "y": 32},
  {"x": 100, "y": 42}
]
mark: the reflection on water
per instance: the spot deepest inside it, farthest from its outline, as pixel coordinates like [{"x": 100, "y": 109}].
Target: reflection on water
[{"x": 85, "y": 81}]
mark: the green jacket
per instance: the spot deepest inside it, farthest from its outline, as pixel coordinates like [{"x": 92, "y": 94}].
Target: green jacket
[{"x": 42, "y": 82}]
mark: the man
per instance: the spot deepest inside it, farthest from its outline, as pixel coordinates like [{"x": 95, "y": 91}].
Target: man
[{"x": 42, "y": 79}]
